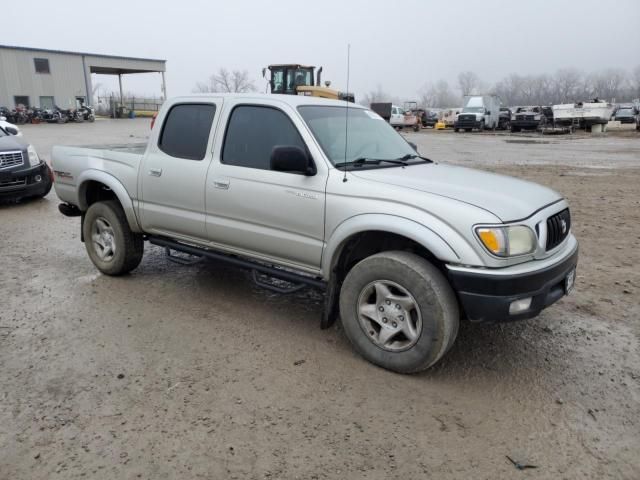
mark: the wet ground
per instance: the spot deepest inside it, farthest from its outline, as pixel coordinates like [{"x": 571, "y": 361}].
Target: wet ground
[{"x": 193, "y": 372}]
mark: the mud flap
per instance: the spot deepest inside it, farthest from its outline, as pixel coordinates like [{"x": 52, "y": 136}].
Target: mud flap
[{"x": 331, "y": 311}]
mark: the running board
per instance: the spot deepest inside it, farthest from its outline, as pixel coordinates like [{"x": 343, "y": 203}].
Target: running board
[{"x": 298, "y": 280}]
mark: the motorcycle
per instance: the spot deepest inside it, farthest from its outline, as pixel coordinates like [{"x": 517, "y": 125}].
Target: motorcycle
[
  {"x": 88, "y": 113},
  {"x": 54, "y": 116}
]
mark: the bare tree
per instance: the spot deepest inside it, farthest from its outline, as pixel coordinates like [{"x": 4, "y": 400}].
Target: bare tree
[
  {"x": 608, "y": 84},
  {"x": 566, "y": 84},
  {"x": 375, "y": 96},
  {"x": 468, "y": 83},
  {"x": 635, "y": 82},
  {"x": 224, "y": 81}
]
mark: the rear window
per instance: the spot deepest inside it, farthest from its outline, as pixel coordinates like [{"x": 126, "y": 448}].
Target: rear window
[{"x": 186, "y": 129}]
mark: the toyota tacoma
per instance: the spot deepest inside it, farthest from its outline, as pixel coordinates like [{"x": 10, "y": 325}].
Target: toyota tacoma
[{"x": 403, "y": 247}]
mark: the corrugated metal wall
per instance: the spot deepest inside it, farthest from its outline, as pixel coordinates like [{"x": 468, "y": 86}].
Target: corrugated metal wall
[
  {"x": 18, "y": 77},
  {"x": 66, "y": 79}
]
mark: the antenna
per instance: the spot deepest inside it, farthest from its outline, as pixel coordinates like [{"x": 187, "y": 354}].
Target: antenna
[{"x": 346, "y": 118}]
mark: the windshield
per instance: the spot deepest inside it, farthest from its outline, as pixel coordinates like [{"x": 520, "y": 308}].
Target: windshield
[
  {"x": 625, "y": 112},
  {"x": 299, "y": 77},
  {"x": 369, "y": 135},
  {"x": 473, "y": 110}
]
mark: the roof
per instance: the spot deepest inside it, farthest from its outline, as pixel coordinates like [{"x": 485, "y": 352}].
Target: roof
[
  {"x": 292, "y": 65},
  {"x": 293, "y": 100},
  {"x": 66, "y": 52}
]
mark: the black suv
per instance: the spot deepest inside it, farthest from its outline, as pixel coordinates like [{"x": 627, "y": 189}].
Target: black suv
[
  {"x": 22, "y": 173},
  {"x": 626, "y": 115}
]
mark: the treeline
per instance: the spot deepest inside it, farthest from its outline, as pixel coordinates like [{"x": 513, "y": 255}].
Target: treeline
[{"x": 567, "y": 85}]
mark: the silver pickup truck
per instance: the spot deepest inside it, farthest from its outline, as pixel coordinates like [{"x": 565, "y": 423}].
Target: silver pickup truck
[{"x": 316, "y": 192}]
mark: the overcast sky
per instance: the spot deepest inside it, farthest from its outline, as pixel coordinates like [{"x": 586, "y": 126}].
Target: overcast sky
[{"x": 398, "y": 45}]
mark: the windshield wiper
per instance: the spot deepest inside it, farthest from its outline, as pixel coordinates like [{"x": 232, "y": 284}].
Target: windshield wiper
[
  {"x": 411, "y": 156},
  {"x": 404, "y": 161}
]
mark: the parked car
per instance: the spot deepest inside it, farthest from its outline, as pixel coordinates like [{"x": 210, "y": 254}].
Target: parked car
[
  {"x": 22, "y": 173},
  {"x": 429, "y": 118},
  {"x": 402, "y": 246},
  {"x": 10, "y": 128},
  {"x": 530, "y": 118},
  {"x": 626, "y": 115}
]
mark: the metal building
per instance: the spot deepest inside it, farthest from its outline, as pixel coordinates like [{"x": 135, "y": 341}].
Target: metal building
[{"x": 42, "y": 78}]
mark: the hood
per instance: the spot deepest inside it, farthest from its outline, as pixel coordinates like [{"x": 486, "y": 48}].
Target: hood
[
  {"x": 12, "y": 142},
  {"x": 507, "y": 198}
]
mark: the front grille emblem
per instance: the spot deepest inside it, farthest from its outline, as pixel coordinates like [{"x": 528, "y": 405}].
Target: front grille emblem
[{"x": 563, "y": 226}]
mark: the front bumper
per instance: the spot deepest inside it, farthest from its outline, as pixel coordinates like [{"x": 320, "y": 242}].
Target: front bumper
[
  {"x": 23, "y": 182},
  {"x": 525, "y": 124},
  {"x": 486, "y": 296},
  {"x": 467, "y": 124}
]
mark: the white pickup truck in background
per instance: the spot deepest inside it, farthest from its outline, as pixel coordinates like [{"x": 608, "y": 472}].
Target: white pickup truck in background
[{"x": 403, "y": 247}]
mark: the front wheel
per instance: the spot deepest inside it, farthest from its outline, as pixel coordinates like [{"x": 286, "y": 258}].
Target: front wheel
[
  {"x": 112, "y": 247},
  {"x": 399, "y": 311}
]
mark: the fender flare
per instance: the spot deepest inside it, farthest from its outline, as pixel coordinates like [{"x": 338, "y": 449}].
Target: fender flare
[
  {"x": 405, "y": 227},
  {"x": 116, "y": 187}
]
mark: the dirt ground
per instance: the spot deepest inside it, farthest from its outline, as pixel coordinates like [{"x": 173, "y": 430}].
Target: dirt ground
[{"x": 193, "y": 372}]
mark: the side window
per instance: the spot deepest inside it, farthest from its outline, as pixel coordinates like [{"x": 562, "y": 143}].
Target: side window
[
  {"x": 186, "y": 129},
  {"x": 252, "y": 133}
]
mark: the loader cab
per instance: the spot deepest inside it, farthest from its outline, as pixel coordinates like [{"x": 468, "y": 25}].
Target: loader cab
[{"x": 285, "y": 79}]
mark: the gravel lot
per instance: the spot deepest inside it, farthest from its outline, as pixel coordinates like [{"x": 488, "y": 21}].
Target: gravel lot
[{"x": 193, "y": 372}]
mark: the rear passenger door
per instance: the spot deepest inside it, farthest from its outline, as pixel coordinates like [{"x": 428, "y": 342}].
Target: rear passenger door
[
  {"x": 174, "y": 170},
  {"x": 250, "y": 208}
]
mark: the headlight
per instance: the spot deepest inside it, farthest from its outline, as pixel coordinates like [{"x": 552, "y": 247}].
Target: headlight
[
  {"x": 34, "y": 160},
  {"x": 507, "y": 241}
]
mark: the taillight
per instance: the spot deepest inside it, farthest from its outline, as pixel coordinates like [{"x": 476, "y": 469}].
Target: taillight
[{"x": 153, "y": 120}]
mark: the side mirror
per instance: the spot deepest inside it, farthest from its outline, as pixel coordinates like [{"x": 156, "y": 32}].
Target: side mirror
[
  {"x": 488, "y": 113},
  {"x": 289, "y": 158},
  {"x": 12, "y": 130}
]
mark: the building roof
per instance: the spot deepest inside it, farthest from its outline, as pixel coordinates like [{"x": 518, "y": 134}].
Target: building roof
[{"x": 66, "y": 52}]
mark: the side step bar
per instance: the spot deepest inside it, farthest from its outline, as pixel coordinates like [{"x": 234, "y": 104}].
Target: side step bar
[{"x": 270, "y": 271}]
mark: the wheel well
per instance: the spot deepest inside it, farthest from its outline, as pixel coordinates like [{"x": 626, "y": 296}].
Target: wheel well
[
  {"x": 365, "y": 244},
  {"x": 356, "y": 248},
  {"x": 97, "y": 192}
]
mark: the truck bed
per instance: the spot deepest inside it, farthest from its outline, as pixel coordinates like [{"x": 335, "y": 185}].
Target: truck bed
[{"x": 121, "y": 161}]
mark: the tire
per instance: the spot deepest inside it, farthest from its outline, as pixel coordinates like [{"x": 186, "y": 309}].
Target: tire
[
  {"x": 122, "y": 249},
  {"x": 429, "y": 311},
  {"x": 456, "y": 129},
  {"x": 515, "y": 129},
  {"x": 482, "y": 125}
]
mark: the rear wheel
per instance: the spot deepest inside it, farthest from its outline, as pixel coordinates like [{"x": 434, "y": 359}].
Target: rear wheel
[
  {"x": 112, "y": 247},
  {"x": 399, "y": 311}
]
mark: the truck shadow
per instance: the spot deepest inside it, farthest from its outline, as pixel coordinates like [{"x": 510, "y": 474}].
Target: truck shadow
[{"x": 480, "y": 350}]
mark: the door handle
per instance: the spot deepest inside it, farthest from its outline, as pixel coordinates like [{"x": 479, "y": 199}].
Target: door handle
[
  {"x": 221, "y": 184},
  {"x": 155, "y": 172}
]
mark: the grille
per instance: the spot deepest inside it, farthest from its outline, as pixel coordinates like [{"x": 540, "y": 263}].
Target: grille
[
  {"x": 11, "y": 159},
  {"x": 13, "y": 183},
  {"x": 525, "y": 117},
  {"x": 558, "y": 227}
]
